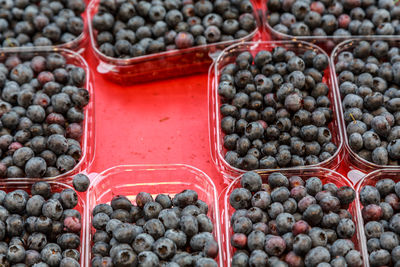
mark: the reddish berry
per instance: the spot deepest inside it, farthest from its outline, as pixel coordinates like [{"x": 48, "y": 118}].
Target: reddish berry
[
  {"x": 300, "y": 227},
  {"x": 55, "y": 118},
  {"x": 320, "y": 195},
  {"x": 317, "y": 7},
  {"x": 295, "y": 181},
  {"x": 72, "y": 224},
  {"x": 344, "y": 21},
  {"x": 293, "y": 260},
  {"x": 14, "y": 146},
  {"x": 239, "y": 240},
  {"x": 12, "y": 62},
  {"x": 393, "y": 201},
  {"x": 45, "y": 77},
  {"x": 3, "y": 170},
  {"x": 211, "y": 249},
  {"x": 38, "y": 64},
  {"x": 74, "y": 131},
  {"x": 273, "y": 229},
  {"x": 184, "y": 40},
  {"x": 372, "y": 212},
  {"x": 263, "y": 124}
]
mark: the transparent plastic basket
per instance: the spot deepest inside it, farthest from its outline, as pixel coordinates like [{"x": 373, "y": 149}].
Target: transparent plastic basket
[
  {"x": 162, "y": 65},
  {"x": 87, "y": 139},
  {"x": 328, "y": 43},
  {"x": 353, "y": 158},
  {"x": 326, "y": 176},
  {"x": 216, "y": 135},
  {"x": 78, "y": 44},
  {"x": 9, "y": 186},
  {"x": 371, "y": 179},
  {"x": 129, "y": 180}
]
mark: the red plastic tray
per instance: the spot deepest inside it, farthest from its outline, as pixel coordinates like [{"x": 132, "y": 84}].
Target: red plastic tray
[{"x": 159, "y": 122}]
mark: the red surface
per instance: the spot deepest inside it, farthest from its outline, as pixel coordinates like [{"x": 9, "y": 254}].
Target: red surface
[
  {"x": 152, "y": 123},
  {"x": 160, "y": 122}
]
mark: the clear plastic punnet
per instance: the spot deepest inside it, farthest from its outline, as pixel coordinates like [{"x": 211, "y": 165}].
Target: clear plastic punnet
[
  {"x": 129, "y": 180},
  {"x": 354, "y": 159},
  {"x": 162, "y": 65},
  {"x": 87, "y": 140},
  {"x": 328, "y": 43},
  {"x": 326, "y": 176},
  {"x": 77, "y": 44},
  {"x": 371, "y": 179},
  {"x": 216, "y": 135},
  {"x": 9, "y": 186}
]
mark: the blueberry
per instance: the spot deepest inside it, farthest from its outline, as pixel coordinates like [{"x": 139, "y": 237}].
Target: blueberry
[
  {"x": 205, "y": 223},
  {"x": 285, "y": 222},
  {"x": 379, "y": 257},
  {"x": 317, "y": 255},
  {"x": 68, "y": 198},
  {"x": 394, "y": 149},
  {"x": 240, "y": 198},
  {"x": 275, "y": 245},
  {"x": 242, "y": 225},
  {"x": 371, "y": 212},
  {"x": 125, "y": 258},
  {"x": 34, "y": 205},
  {"x": 251, "y": 181},
  {"x": 148, "y": 258},
  {"x": 51, "y": 254},
  {"x": 302, "y": 244},
  {"x": 169, "y": 218},
  {"x": 346, "y": 195},
  {"x": 345, "y": 228},
  {"x": 177, "y": 236},
  {"x": 81, "y": 182},
  {"x": 240, "y": 259},
  {"x": 186, "y": 197},
  {"x": 313, "y": 185},
  {"x": 16, "y": 253},
  {"x": 69, "y": 262},
  {"x": 280, "y": 194},
  {"x": 369, "y": 195},
  {"x": 156, "y": 229},
  {"x": 389, "y": 240},
  {"x": 100, "y": 220}
]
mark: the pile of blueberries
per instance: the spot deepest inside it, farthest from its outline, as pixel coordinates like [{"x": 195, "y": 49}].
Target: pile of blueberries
[
  {"x": 342, "y": 18},
  {"x": 381, "y": 215},
  {"x": 40, "y": 230},
  {"x": 41, "y": 115},
  {"x": 369, "y": 80},
  {"x": 276, "y": 110},
  {"x": 40, "y": 22},
  {"x": 289, "y": 222},
  {"x": 127, "y": 29},
  {"x": 155, "y": 232}
]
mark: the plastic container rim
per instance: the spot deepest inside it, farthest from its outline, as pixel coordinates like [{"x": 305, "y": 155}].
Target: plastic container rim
[
  {"x": 62, "y": 185},
  {"x": 343, "y": 46},
  {"x": 88, "y": 110},
  {"x": 298, "y": 171},
  {"x": 317, "y": 38},
  {"x": 155, "y": 167},
  {"x": 156, "y": 56},
  {"x": 73, "y": 44},
  {"x": 214, "y": 92},
  {"x": 359, "y": 185}
]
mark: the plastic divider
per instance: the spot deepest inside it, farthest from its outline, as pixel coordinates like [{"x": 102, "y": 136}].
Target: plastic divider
[
  {"x": 168, "y": 64},
  {"x": 216, "y": 135},
  {"x": 87, "y": 139},
  {"x": 169, "y": 179}
]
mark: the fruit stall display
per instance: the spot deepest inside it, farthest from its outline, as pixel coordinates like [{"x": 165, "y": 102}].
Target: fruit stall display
[{"x": 199, "y": 133}]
